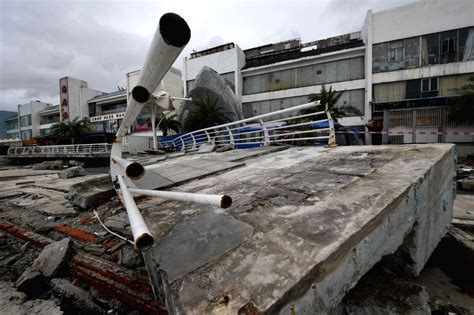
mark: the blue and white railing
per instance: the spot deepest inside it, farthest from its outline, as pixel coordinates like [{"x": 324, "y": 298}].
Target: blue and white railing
[{"x": 254, "y": 131}]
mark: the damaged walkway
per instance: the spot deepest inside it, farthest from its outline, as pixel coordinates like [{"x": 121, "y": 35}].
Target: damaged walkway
[{"x": 306, "y": 224}]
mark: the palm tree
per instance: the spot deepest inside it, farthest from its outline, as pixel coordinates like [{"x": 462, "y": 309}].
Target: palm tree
[
  {"x": 331, "y": 97},
  {"x": 68, "y": 131},
  {"x": 166, "y": 124},
  {"x": 206, "y": 114},
  {"x": 461, "y": 106}
]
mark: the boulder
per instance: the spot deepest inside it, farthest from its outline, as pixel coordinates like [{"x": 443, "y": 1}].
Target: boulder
[
  {"x": 49, "y": 165},
  {"x": 72, "y": 172},
  {"x": 74, "y": 299},
  {"x": 91, "y": 192},
  {"x": 210, "y": 84}
]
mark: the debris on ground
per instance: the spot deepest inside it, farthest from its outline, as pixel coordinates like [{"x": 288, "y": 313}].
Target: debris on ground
[
  {"x": 91, "y": 193},
  {"x": 74, "y": 171},
  {"x": 49, "y": 165}
]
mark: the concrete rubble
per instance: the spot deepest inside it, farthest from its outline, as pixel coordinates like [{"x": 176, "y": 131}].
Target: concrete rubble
[
  {"x": 74, "y": 171},
  {"x": 49, "y": 165},
  {"x": 91, "y": 193},
  {"x": 311, "y": 230}
]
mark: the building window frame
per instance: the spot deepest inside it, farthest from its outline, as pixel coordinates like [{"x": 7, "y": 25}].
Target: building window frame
[
  {"x": 396, "y": 51},
  {"x": 429, "y": 87}
]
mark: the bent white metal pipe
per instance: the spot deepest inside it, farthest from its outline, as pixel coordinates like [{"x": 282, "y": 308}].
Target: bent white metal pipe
[
  {"x": 133, "y": 170},
  {"x": 170, "y": 38},
  {"x": 141, "y": 234},
  {"x": 222, "y": 201}
]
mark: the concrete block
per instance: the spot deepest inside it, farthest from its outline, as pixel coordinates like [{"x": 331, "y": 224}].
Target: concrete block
[
  {"x": 49, "y": 165},
  {"x": 53, "y": 258},
  {"x": 91, "y": 192},
  {"x": 72, "y": 172},
  {"x": 321, "y": 219},
  {"x": 74, "y": 298}
]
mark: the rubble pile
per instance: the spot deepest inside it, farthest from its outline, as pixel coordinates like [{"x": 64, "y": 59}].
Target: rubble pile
[{"x": 44, "y": 281}]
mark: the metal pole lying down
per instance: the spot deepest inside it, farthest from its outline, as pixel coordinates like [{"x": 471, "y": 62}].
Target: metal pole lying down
[
  {"x": 222, "y": 201},
  {"x": 170, "y": 38}
]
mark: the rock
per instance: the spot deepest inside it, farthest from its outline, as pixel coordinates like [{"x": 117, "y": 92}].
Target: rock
[
  {"x": 131, "y": 258},
  {"x": 33, "y": 283},
  {"x": 75, "y": 163},
  {"x": 91, "y": 192},
  {"x": 53, "y": 258},
  {"x": 74, "y": 299},
  {"x": 468, "y": 183},
  {"x": 117, "y": 223},
  {"x": 72, "y": 172},
  {"x": 210, "y": 84},
  {"x": 49, "y": 165}
]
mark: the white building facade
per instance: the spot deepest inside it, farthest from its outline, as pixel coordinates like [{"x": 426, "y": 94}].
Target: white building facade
[{"x": 420, "y": 52}]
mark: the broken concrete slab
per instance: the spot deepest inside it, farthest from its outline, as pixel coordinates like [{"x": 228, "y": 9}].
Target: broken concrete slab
[
  {"x": 91, "y": 192},
  {"x": 72, "y": 172},
  {"x": 199, "y": 240},
  {"x": 49, "y": 165},
  {"x": 75, "y": 299},
  {"x": 53, "y": 258},
  {"x": 306, "y": 253}
]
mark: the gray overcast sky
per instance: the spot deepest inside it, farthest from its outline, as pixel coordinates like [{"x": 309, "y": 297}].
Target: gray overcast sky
[{"x": 99, "y": 41}]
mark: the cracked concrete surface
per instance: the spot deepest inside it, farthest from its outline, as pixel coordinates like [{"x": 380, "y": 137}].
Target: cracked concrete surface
[{"x": 320, "y": 219}]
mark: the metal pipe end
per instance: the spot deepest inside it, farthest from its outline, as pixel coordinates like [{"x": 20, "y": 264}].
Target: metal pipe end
[
  {"x": 174, "y": 30},
  {"x": 226, "y": 202},
  {"x": 144, "y": 242},
  {"x": 134, "y": 170}
]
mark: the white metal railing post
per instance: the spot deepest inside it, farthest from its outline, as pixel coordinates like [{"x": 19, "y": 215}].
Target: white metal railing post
[
  {"x": 266, "y": 136},
  {"x": 208, "y": 137},
  {"x": 183, "y": 146},
  {"x": 231, "y": 137},
  {"x": 332, "y": 131},
  {"x": 194, "y": 140}
]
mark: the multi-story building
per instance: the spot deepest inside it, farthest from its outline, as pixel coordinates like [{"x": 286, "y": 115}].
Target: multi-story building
[
  {"x": 411, "y": 56},
  {"x": 419, "y": 56},
  {"x": 106, "y": 111}
]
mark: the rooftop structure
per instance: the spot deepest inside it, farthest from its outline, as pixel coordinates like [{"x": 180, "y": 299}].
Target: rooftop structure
[{"x": 402, "y": 58}]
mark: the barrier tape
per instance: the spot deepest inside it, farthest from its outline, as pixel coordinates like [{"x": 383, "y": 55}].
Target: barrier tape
[{"x": 399, "y": 133}]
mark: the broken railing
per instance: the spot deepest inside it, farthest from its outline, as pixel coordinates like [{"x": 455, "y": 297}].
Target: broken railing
[
  {"x": 59, "y": 150},
  {"x": 170, "y": 38},
  {"x": 308, "y": 127}
]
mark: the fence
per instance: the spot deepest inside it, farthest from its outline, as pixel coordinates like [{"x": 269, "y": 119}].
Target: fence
[
  {"x": 252, "y": 132},
  {"x": 424, "y": 125},
  {"x": 61, "y": 150}
]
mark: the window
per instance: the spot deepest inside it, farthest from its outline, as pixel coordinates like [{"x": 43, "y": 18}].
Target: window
[
  {"x": 429, "y": 87},
  {"x": 448, "y": 45},
  {"x": 25, "y": 121},
  {"x": 395, "y": 51}
]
